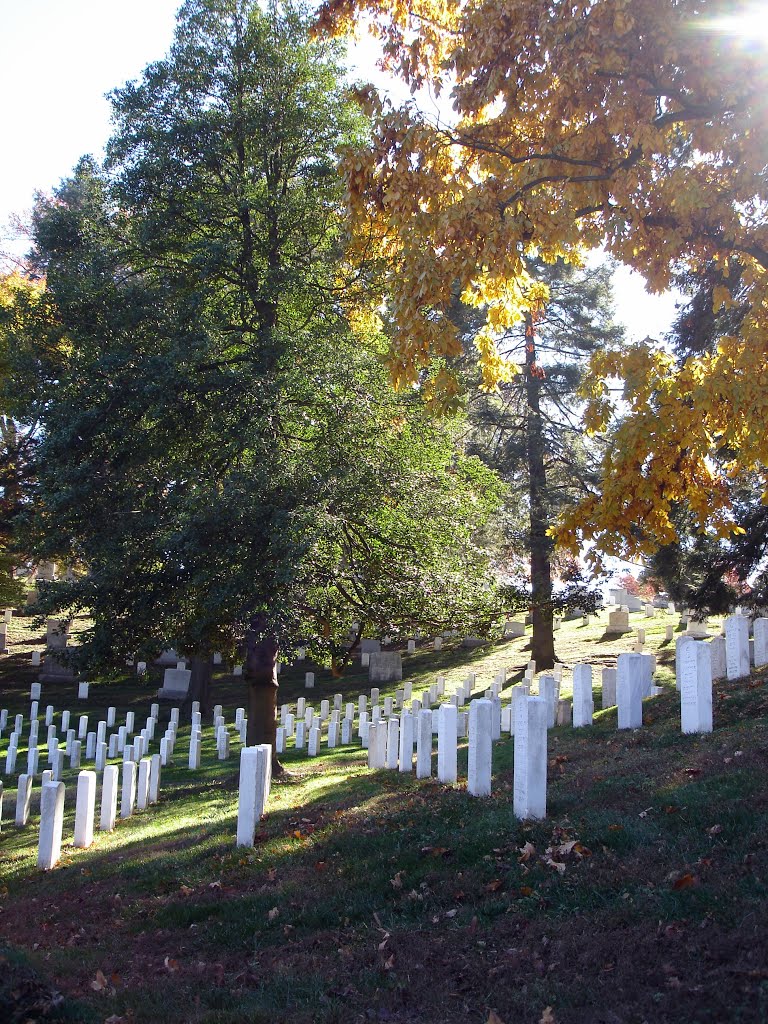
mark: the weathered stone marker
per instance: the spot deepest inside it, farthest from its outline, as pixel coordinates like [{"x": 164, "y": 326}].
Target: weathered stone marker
[
  {"x": 696, "y": 688},
  {"x": 608, "y": 677}
]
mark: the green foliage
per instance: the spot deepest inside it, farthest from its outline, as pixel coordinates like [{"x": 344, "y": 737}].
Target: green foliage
[{"x": 216, "y": 442}]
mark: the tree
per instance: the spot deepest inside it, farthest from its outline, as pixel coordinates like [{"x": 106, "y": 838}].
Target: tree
[
  {"x": 635, "y": 126},
  {"x": 217, "y": 448},
  {"x": 530, "y": 429},
  {"x": 699, "y": 570},
  {"x": 19, "y": 295}
]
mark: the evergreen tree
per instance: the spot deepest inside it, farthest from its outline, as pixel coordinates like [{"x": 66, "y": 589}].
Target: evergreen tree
[{"x": 531, "y": 432}]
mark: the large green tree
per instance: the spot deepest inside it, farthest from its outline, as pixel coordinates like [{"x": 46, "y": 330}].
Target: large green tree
[{"x": 219, "y": 451}]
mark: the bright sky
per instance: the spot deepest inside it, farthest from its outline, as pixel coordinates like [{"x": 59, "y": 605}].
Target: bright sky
[{"x": 58, "y": 59}]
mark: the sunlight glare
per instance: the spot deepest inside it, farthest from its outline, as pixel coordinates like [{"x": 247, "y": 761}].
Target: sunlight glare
[{"x": 750, "y": 25}]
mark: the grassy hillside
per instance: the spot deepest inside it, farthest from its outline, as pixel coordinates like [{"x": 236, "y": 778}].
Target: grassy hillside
[{"x": 377, "y": 897}]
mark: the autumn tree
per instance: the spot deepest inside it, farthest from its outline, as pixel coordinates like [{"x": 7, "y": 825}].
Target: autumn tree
[
  {"x": 636, "y": 126},
  {"x": 700, "y": 570},
  {"x": 19, "y": 297}
]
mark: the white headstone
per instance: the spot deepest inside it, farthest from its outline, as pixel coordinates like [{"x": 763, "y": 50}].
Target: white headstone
[
  {"x": 549, "y": 692},
  {"x": 154, "y": 778},
  {"x": 424, "y": 744},
  {"x": 608, "y": 677},
  {"x": 128, "y": 798},
  {"x": 760, "y": 633},
  {"x": 480, "y": 747},
  {"x": 109, "y": 786},
  {"x": 23, "y": 799},
  {"x": 142, "y": 787},
  {"x": 51, "y": 825},
  {"x": 393, "y": 742},
  {"x": 630, "y": 677},
  {"x": 583, "y": 705},
  {"x": 737, "y": 646},
  {"x": 530, "y": 758},
  {"x": 696, "y": 688},
  {"x": 85, "y": 809},
  {"x": 717, "y": 657},
  {"x": 253, "y": 790},
  {"x": 680, "y": 643},
  {"x": 447, "y": 732}
]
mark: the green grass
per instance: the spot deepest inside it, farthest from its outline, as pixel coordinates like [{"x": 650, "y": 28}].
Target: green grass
[{"x": 374, "y": 896}]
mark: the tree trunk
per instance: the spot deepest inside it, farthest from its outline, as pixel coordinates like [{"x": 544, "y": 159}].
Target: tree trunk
[
  {"x": 540, "y": 546},
  {"x": 261, "y": 680},
  {"x": 200, "y": 683}
]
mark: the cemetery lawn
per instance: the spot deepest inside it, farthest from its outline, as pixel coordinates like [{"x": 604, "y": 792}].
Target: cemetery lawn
[{"x": 371, "y": 896}]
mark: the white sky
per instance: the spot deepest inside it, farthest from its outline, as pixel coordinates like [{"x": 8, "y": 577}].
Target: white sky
[{"x": 58, "y": 59}]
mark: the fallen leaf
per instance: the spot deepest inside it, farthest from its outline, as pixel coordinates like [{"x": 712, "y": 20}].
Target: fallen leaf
[
  {"x": 615, "y": 828},
  {"x": 526, "y": 890},
  {"x": 271, "y": 874},
  {"x": 494, "y": 1018},
  {"x": 495, "y": 885},
  {"x": 99, "y": 983},
  {"x": 171, "y": 965},
  {"x": 115, "y": 1019},
  {"x": 547, "y": 1016},
  {"x": 397, "y": 881},
  {"x": 527, "y": 851},
  {"x": 451, "y": 913},
  {"x": 560, "y": 868},
  {"x": 390, "y": 963},
  {"x": 273, "y": 913},
  {"x": 185, "y": 890},
  {"x": 715, "y": 830},
  {"x": 684, "y": 881}
]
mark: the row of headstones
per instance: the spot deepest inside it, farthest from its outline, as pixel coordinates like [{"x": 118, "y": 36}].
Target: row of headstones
[
  {"x": 391, "y": 746},
  {"x": 305, "y": 724},
  {"x": 390, "y": 742},
  {"x": 96, "y": 743},
  {"x": 140, "y": 788},
  {"x": 98, "y": 747},
  {"x": 4, "y": 624},
  {"x": 140, "y": 775}
]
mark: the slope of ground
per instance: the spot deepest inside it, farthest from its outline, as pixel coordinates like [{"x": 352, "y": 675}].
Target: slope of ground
[{"x": 373, "y": 896}]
